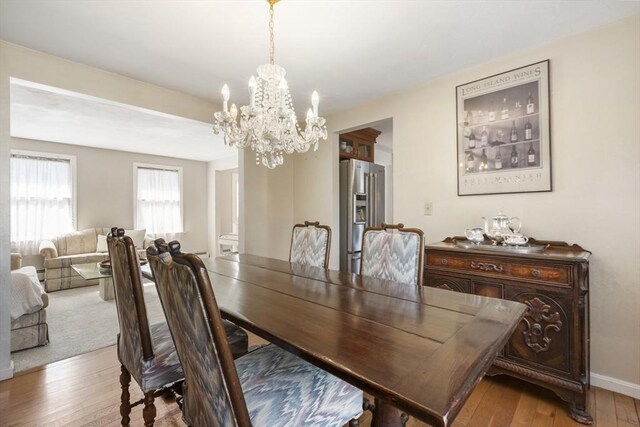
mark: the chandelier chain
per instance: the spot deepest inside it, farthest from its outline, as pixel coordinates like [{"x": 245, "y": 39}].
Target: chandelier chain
[{"x": 272, "y": 44}]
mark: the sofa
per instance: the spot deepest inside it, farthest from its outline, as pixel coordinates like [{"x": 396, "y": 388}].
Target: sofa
[
  {"x": 29, "y": 300},
  {"x": 80, "y": 247}
]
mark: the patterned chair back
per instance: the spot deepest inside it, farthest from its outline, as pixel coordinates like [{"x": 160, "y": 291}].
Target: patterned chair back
[
  {"x": 310, "y": 244},
  {"x": 134, "y": 339},
  {"x": 212, "y": 393},
  {"x": 393, "y": 252}
]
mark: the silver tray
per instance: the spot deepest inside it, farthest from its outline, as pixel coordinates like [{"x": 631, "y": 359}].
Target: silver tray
[{"x": 486, "y": 246}]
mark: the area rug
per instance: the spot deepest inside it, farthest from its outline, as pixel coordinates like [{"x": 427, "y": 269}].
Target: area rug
[{"x": 80, "y": 322}]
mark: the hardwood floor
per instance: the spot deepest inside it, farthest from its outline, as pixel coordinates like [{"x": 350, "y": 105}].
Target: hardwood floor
[{"x": 85, "y": 391}]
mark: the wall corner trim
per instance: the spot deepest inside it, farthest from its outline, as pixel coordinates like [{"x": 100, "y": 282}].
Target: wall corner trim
[
  {"x": 7, "y": 372},
  {"x": 614, "y": 384}
]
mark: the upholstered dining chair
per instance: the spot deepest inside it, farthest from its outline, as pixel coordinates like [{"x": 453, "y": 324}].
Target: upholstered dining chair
[
  {"x": 145, "y": 351},
  {"x": 310, "y": 243},
  {"x": 393, "y": 252},
  {"x": 268, "y": 387}
]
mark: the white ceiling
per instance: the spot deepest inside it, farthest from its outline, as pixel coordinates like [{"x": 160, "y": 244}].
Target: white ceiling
[
  {"x": 350, "y": 51},
  {"x": 49, "y": 114}
]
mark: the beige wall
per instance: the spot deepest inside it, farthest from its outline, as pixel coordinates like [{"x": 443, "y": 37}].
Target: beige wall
[
  {"x": 213, "y": 168},
  {"x": 266, "y": 209},
  {"x": 224, "y": 201},
  {"x": 224, "y": 223},
  {"x": 595, "y": 202},
  {"x": 384, "y": 157},
  {"x": 27, "y": 64},
  {"x": 104, "y": 180}
]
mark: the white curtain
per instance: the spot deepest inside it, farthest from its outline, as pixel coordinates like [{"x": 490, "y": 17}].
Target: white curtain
[
  {"x": 159, "y": 209},
  {"x": 41, "y": 201}
]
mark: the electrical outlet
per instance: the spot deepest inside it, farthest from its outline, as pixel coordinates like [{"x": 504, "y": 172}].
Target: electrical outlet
[{"x": 428, "y": 208}]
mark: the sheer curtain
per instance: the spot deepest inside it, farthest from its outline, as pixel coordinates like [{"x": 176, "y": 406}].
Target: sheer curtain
[
  {"x": 159, "y": 208},
  {"x": 41, "y": 201}
]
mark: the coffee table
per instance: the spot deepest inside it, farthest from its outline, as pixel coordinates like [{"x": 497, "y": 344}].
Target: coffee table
[{"x": 91, "y": 271}]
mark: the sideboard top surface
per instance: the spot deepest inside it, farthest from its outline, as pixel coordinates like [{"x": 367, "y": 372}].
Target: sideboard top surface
[{"x": 559, "y": 251}]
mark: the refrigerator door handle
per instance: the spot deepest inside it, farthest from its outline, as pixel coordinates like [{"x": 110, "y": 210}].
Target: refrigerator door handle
[
  {"x": 374, "y": 200},
  {"x": 367, "y": 189}
]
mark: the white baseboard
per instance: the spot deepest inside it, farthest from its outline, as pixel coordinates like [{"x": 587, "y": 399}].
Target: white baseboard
[
  {"x": 614, "y": 384},
  {"x": 7, "y": 372}
]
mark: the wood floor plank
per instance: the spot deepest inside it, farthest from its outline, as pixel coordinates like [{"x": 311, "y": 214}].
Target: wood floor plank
[
  {"x": 474, "y": 400},
  {"x": 167, "y": 413},
  {"x": 545, "y": 413},
  {"x": 562, "y": 417},
  {"x": 498, "y": 407},
  {"x": 59, "y": 395},
  {"x": 591, "y": 405},
  {"x": 526, "y": 409},
  {"x": 625, "y": 411},
  {"x": 36, "y": 394},
  {"x": 67, "y": 404},
  {"x": 605, "y": 408}
]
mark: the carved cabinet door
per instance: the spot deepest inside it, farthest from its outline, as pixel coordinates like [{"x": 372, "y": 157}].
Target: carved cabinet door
[{"x": 543, "y": 337}]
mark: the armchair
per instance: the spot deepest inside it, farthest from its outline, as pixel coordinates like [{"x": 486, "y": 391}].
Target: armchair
[{"x": 29, "y": 329}]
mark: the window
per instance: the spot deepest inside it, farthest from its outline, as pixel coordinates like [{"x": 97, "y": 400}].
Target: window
[
  {"x": 42, "y": 198},
  {"x": 158, "y": 198}
]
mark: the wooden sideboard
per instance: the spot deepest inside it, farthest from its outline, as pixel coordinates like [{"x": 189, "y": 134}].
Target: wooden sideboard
[{"x": 550, "y": 347}]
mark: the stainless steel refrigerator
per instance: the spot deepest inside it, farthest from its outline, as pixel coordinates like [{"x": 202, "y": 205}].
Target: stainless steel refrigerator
[{"x": 362, "y": 205}]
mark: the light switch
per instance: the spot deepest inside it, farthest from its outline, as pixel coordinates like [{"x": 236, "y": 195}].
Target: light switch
[{"x": 428, "y": 208}]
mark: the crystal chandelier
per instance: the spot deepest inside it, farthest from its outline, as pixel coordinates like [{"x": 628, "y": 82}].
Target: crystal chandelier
[{"x": 268, "y": 125}]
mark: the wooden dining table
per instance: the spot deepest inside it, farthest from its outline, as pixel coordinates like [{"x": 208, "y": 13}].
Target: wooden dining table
[{"x": 417, "y": 350}]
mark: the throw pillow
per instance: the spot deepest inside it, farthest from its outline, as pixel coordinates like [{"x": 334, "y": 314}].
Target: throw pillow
[
  {"x": 102, "y": 244},
  {"x": 137, "y": 236}
]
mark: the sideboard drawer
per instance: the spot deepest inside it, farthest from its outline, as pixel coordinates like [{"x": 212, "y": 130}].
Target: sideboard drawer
[
  {"x": 489, "y": 265},
  {"x": 446, "y": 261},
  {"x": 474, "y": 265},
  {"x": 554, "y": 274}
]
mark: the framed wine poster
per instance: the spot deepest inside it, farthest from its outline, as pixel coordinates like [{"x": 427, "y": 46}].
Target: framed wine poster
[{"x": 503, "y": 132}]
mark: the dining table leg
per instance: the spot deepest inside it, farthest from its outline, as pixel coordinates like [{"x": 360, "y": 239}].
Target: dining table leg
[{"x": 387, "y": 415}]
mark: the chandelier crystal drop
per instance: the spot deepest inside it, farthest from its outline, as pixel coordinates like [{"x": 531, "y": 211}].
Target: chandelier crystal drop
[{"x": 268, "y": 125}]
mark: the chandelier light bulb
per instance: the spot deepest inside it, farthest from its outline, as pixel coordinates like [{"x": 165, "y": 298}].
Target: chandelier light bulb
[
  {"x": 225, "y": 97},
  {"x": 283, "y": 92},
  {"x": 252, "y": 91},
  {"x": 315, "y": 99}
]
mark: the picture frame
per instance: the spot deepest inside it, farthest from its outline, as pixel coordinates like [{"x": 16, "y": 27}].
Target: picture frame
[{"x": 503, "y": 132}]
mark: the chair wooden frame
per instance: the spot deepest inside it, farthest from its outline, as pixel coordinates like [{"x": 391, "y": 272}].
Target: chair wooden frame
[
  {"x": 400, "y": 227},
  {"x": 149, "y": 411},
  {"x": 317, "y": 225},
  {"x": 214, "y": 319}
]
